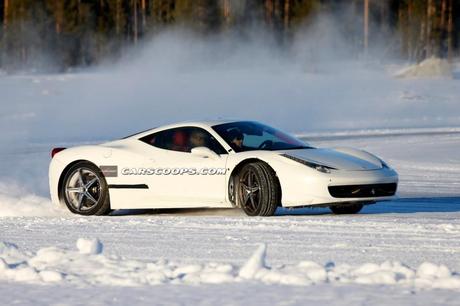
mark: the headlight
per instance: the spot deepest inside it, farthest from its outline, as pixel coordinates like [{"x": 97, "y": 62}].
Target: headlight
[{"x": 320, "y": 168}]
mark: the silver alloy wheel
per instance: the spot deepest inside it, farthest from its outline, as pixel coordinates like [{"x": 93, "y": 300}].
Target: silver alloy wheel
[
  {"x": 83, "y": 189},
  {"x": 250, "y": 191}
]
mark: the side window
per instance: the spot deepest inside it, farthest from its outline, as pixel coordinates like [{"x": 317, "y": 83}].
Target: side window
[
  {"x": 172, "y": 139},
  {"x": 184, "y": 139}
]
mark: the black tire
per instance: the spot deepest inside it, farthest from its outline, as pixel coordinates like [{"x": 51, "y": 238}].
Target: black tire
[
  {"x": 346, "y": 209},
  {"x": 262, "y": 194},
  {"x": 82, "y": 198}
]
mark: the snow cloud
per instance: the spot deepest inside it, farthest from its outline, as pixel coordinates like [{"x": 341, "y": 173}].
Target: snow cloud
[
  {"x": 16, "y": 201},
  {"x": 317, "y": 83}
]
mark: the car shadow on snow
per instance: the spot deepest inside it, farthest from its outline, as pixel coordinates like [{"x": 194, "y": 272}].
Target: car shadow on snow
[
  {"x": 402, "y": 205},
  {"x": 398, "y": 206},
  {"x": 415, "y": 205},
  {"x": 180, "y": 212}
]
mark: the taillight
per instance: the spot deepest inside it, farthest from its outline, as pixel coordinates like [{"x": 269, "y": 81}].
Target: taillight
[{"x": 55, "y": 151}]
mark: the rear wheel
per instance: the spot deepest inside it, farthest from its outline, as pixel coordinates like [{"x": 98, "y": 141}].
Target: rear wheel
[
  {"x": 84, "y": 190},
  {"x": 258, "y": 190},
  {"x": 346, "y": 209}
]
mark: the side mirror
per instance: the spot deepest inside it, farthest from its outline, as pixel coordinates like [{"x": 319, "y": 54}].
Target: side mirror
[{"x": 205, "y": 152}]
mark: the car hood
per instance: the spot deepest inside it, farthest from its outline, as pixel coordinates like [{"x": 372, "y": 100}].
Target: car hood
[{"x": 336, "y": 159}]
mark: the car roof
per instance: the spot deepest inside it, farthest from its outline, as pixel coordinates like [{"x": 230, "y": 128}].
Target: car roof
[{"x": 202, "y": 124}]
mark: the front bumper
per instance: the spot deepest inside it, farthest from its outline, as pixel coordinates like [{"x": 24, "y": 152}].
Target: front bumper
[
  {"x": 363, "y": 191},
  {"x": 339, "y": 187}
]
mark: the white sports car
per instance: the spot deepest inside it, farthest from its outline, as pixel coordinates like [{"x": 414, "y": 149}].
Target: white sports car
[{"x": 221, "y": 164}]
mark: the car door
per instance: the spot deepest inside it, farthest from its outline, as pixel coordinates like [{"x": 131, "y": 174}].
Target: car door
[{"x": 182, "y": 178}]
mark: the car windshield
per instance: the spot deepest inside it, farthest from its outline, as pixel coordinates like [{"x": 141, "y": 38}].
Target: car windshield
[{"x": 248, "y": 136}]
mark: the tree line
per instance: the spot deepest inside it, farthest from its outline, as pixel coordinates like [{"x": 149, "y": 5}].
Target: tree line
[{"x": 77, "y": 33}]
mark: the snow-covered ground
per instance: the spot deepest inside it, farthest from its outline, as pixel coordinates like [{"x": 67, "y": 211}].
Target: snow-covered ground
[{"x": 401, "y": 252}]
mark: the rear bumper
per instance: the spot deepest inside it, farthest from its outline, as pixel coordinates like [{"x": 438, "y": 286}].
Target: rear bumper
[{"x": 55, "y": 169}]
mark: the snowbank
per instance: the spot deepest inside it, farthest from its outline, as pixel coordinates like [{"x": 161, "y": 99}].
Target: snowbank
[
  {"x": 15, "y": 201},
  {"x": 88, "y": 266},
  {"x": 429, "y": 68}
]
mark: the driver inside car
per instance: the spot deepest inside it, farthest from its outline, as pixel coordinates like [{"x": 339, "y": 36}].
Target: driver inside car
[
  {"x": 197, "y": 139},
  {"x": 236, "y": 140}
]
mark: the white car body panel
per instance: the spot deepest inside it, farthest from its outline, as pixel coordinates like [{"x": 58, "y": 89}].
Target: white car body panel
[{"x": 300, "y": 185}]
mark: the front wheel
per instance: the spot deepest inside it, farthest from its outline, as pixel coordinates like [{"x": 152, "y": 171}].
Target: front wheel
[
  {"x": 84, "y": 190},
  {"x": 258, "y": 190},
  {"x": 346, "y": 209}
]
